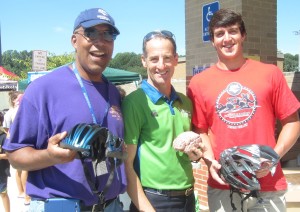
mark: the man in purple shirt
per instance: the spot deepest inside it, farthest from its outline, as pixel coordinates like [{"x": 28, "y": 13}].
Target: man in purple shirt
[{"x": 52, "y": 105}]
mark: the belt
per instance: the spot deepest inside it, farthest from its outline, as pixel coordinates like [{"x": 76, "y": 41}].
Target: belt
[
  {"x": 97, "y": 207},
  {"x": 171, "y": 193}
]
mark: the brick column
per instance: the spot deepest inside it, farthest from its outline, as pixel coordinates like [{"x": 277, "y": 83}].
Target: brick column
[{"x": 201, "y": 185}]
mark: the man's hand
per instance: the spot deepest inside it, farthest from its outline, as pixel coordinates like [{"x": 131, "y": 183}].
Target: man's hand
[
  {"x": 191, "y": 144},
  {"x": 213, "y": 167},
  {"x": 56, "y": 153},
  {"x": 31, "y": 159},
  {"x": 264, "y": 170},
  {"x": 195, "y": 153}
]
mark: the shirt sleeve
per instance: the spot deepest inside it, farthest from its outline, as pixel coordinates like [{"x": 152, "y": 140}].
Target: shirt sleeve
[
  {"x": 132, "y": 121},
  {"x": 284, "y": 100}
]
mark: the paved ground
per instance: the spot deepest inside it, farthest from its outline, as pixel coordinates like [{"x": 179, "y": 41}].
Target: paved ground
[
  {"x": 292, "y": 175},
  {"x": 16, "y": 204}
]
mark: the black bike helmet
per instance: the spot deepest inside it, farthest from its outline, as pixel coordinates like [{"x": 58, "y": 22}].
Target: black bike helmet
[{"x": 240, "y": 163}]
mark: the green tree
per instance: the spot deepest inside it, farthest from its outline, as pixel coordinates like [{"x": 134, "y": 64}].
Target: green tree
[
  {"x": 54, "y": 61},
  {"x": 128, "y": 61},
  {"x": 290, "y": 63},
  {"x": 20, "y": 63},
  {"x": 16, "y": 62}
]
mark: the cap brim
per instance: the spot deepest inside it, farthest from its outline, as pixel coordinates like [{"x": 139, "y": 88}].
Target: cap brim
[{"x": 92, "y": 23}]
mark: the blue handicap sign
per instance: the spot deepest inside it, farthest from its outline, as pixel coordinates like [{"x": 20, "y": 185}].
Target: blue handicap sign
[{"x": 207, "y": 11}]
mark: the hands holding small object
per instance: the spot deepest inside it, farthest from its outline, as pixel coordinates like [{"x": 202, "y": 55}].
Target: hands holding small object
[
  {"x": 265, "y": 168},
  {"x": 190, "y": 143},
  {"x": 56, "y": 153}
]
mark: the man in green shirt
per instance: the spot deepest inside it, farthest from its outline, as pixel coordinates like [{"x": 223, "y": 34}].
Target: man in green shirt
[{"x": 159, "y": 177}]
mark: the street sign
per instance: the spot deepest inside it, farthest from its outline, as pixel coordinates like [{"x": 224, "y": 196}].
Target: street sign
[
  {"x": 8, "y": 85},
  {"x": 198, "y": 69},
  {"x": 32, "y": 75},
  {"x": 39, "y": 60},
  {"x": 207, "y": 11}
]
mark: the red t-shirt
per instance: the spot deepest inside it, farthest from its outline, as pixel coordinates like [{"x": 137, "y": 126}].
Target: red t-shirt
[{"x": 240, "y": 107}]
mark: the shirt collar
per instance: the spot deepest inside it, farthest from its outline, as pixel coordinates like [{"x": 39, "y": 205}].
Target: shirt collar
[{"x": 155, "y": 95}]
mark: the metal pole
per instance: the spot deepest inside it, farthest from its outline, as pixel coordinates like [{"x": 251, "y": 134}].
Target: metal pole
[
  {"x": 298, "y": 33},
  {"x": 0, "y": 48}
]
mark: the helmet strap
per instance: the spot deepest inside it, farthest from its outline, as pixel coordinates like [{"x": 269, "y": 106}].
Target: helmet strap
[
  {"x": 94, "y": 185},
  {"x": 254, "y": 194},
  {"x": 232, "y": 189}
]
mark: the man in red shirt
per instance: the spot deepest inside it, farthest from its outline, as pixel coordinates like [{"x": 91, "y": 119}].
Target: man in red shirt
[{"x": 237, "y": 102}]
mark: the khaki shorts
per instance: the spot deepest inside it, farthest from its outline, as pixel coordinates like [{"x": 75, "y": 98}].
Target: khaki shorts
[{"x": 220, "y": 200}]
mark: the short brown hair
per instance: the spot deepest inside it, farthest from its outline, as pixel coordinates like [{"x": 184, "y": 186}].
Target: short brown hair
[{"x": 225, "y": 18}]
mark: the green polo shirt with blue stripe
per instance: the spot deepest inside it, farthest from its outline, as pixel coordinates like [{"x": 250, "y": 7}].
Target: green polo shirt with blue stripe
[{"x": 152, "y": 122}]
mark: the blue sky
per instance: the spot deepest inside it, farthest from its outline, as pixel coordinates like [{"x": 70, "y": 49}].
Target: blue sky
[
  {"x": 47, "y": 25},
  {"x": 288, "y": 21}
]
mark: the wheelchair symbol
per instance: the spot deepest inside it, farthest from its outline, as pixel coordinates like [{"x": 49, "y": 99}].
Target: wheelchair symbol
[{"x": 209, "y": 14}]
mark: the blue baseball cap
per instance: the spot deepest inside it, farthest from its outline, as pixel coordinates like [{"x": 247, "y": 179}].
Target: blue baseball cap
[{"x": 93, "y": 17}]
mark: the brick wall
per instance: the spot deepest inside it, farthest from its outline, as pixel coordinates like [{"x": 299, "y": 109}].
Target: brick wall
[
  {"x": 200, "y": 176},
  {"x": 293, "y": 80}
]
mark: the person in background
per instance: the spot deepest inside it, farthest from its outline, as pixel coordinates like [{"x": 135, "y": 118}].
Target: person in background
[
  {"x": 21, "y": 179},
  {"x": 14, "y": 101},
  {"x": 15, "y": 98},
  {"x": 53, "y": 104},
  {"x": 159, "y": 178},
  {"x": 4, "y": 171},
  {"x": 1, "y": 118},
  {"x": 236, "y": 102},
  {"x": 122, "y": 92}
]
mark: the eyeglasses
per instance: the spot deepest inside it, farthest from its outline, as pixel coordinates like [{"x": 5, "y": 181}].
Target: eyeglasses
[
  {"x": 163, "y": 33},
  {"x": 93, "y": 34}
]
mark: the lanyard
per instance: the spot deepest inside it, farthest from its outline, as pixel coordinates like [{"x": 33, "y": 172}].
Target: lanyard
[{"x": 87, "y": 99}]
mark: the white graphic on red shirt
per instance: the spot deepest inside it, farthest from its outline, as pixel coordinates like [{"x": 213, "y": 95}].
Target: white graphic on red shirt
[{"x": 236, "y": 105}]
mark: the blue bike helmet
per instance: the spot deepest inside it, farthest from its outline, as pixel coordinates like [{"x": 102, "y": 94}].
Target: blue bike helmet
[
  {"x": 95, "y": 142},
  {"x": 81, "y": 136},
  {"x": 240, "y": 163}
]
